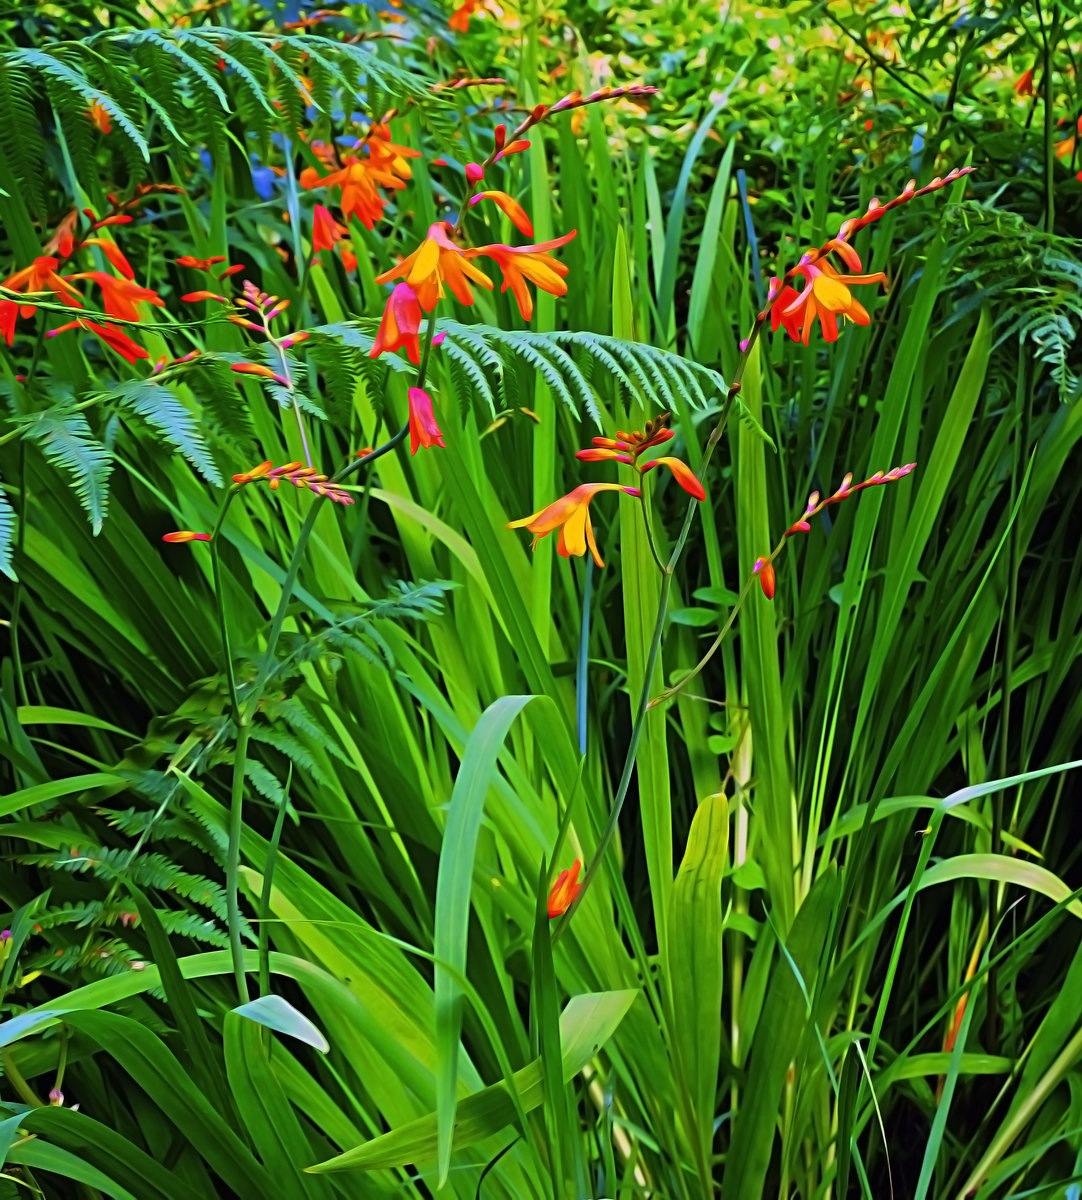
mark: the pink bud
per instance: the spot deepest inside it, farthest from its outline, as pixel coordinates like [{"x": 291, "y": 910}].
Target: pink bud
[
  {"x": 744, "y": 343},
  {"x": 474, "y": 173}
]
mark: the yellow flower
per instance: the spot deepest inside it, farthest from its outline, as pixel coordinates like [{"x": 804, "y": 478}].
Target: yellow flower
[
  {"x": 436, "y": 261},
  {"x": 571, "y": 515}
]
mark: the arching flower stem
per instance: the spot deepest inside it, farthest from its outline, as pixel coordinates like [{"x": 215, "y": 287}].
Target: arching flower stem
[{"x": 244, "y": 711}]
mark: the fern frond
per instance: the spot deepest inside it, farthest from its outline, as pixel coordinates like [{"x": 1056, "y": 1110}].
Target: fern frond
[
  {"x": 7, "y": 535},
  {"x": 164, "y": 412},
  {"x": 21, "y": 142},
  {"x": 59, "y": 72},
  {"x": 66, "y": 441}
]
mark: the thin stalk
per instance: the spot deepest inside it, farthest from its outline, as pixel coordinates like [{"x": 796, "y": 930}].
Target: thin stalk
[
  {"x": 644, "y": 501},
  {"x": 655, "y": 641},
  {"x": 243, "y": 714},
  {"x": 268, "y": 885},
  {"x": 582, "y": 665}
]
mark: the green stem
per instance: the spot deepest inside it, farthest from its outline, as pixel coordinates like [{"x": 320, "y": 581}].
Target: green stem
[
  {"x": 646, "y": 521},
  {"x": 232, "y": 858},
  {"x": 243, "y": 715},
  {"x": 268, "y": 885},
  {"x": 667, "y": 570},
  {"x": 219, "y": 599}
]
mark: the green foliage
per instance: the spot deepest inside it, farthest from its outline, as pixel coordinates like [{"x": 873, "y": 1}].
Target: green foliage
[
  {"x": 343, "y": 788},
  {"x": 65, "y": 438}
]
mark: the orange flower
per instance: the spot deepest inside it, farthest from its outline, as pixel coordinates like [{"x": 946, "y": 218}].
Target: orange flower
[
  {"x": 360, "y": 195},
  {"x": 40, "y": 276},
  {"x": 459, "y": 20},
  {"x": 116, "y": 339},
  {"x": 825, "y": 295},
  {"x": 199, "y": 264},
  {"x": 511, "y": 207},
  {"x": 120, "y": 296},
  {"x": 423, "y": 428},
  {"x": 325, "y": 229},
  {"x": 259, "y": 471},
  {"x": 436, "y": 261},
  {"x": 520, "y": 264},
  {"x": 1024, "y": 86},
  {"x": 112, "y": 252},
  {"x": 564, "y": 891},
  {"x": 99, "y": 115},
  {"x": 400, "y": 326},
  {"x": 247, "y": 368},
  {"x": 571, "y": 515},
  {"x": 185, "y": 535},
  {"x": 764, "y": 568},
  {"x": 381, "y": 163}
]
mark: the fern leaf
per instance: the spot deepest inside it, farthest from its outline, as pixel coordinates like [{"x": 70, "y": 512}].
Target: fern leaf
[
  {"x": 53, "y": 68},
  {"x": 66, "y": 441},
  {"x": 7, "y": 535},
  {"x": 21, "y": 142},
  {"x": 160, "y": 408}
]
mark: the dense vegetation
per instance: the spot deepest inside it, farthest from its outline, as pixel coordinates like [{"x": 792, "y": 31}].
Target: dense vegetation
[{"x": 349, "y": 848}]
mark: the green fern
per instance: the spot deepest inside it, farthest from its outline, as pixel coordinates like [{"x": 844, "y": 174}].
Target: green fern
[
  {"x": 482, "y": 356},
  {"x": 1030, "y": 280},
  {"x": 164, "y": 412},
  {"x": 21, "y": 141},
  {"x": 67, "y": 442},
  {"x": 7, "y": 535}
]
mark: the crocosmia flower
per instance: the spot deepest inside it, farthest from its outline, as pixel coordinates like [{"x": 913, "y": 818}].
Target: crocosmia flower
[
  {"x": 764, "y": 568},
  {"x": 571, "y": 515},
  {"x": 40, "y": 276},
  {"x": 511, "y": 207},
  {"x": 99, "y": 115},
  {"x": 400, "y": 326},
  {"x": 826, "y": 295},
  {"x": 629, "y": 448},
  {"x": 423, "y": 428},
  {"x": 115, "y": 338},
  {"x": 564, "y": 891},
  {"x": 533, "y": 264},
  {"x": 325, "y": 229},
  {"x": 120, "y": 296},
  {"x": 185, "y": 535},
  {"x": 436, "y": 261}
]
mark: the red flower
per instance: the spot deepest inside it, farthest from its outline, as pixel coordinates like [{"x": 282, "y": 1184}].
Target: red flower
[
  {"x": 40, "y": 276},
  {"x": 116, "y": 339},
  {"x": 564, "y": 891},
  {"x": 185, "y": 535},
  {"x": 1024, "y": 86},
  {"x": 199, "y": 264},
  {"x": 628, "y": 448},
  {"x": 325, "y": 229},
  {"x": 120, "y": 296},
  {"x": 423, "y": 428},
  {"x": 400, "y": 326},
  {"x": 764, "y": 568}
]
